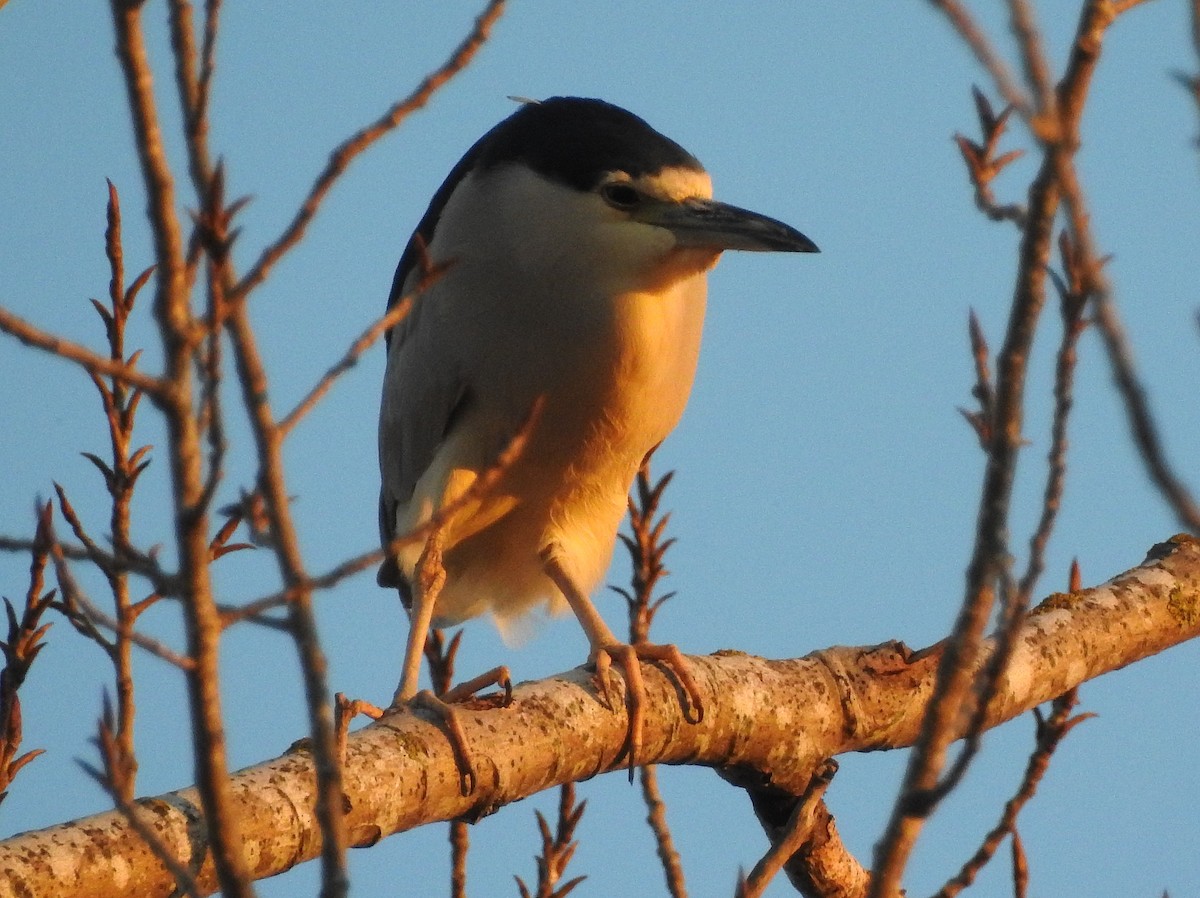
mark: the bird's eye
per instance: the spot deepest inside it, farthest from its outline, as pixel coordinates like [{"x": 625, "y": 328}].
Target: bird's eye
[{"x": 620, "y": 196}]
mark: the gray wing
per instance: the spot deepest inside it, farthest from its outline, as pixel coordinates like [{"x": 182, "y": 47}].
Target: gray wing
[{"x": 424, "y": 394}]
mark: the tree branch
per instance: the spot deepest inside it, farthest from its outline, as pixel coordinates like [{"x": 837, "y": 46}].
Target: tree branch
[
  {"x": 92, "y": 362},
  {"x": 774, "y": 720}
]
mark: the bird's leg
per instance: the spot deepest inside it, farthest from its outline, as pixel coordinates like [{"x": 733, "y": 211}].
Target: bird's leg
[
  {"x": 431, "y": 577},
  {"x": 607, "y": 650}
]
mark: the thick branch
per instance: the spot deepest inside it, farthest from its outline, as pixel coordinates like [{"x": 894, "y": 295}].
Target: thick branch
[{"x": 772, "y": 720}]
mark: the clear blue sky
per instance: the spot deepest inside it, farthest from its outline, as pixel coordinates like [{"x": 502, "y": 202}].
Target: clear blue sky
[{"x": 826, "y": 485}]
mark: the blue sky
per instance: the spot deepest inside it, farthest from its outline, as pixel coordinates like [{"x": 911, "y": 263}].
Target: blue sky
[{"x": 826, "y": 484}]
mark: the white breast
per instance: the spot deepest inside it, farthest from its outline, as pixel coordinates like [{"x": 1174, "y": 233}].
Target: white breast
[{"x": 613, "y": 359}]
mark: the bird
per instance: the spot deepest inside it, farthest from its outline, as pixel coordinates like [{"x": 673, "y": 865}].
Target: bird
[{"x": 560, "y": 279}]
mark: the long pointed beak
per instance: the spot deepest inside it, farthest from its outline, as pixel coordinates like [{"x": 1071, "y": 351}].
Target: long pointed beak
[{"x": 719, "y": 226}]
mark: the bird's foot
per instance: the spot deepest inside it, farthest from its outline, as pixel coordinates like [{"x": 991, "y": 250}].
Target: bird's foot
[
  {"x": 629, "y": 658},
  {"x": 443, "y": 707},
  {"x": 465, "y": 691}
]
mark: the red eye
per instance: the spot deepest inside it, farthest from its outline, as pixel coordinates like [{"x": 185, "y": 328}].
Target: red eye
[{"x": 620, "y": 196}]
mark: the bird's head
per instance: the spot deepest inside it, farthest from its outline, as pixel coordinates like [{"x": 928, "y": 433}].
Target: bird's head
[{"x": 572, "y": 184}]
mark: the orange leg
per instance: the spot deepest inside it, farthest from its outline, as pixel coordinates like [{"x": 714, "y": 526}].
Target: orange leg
[{"x": 607, "y": 650}]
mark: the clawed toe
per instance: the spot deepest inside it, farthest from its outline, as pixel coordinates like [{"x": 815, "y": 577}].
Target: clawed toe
[
  {"x": 455, "y": 734},
  {"x": 442, "y": 707},
  {"x": 629, "y": 658}
]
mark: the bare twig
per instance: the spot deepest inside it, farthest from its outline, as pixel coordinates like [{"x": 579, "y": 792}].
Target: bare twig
[
  {"x": 990, "y": 555},
  {"x": 1137, "y": 412},
  {"x": 460, "y": 843},
  {"x": 84, "y": 614},
  {"x": 397, "y": 313},
  {"x": 286, "y": 546},
  {"x": 350, "y": 149},
  {"x": 656, "y": 819},
  {"x": 269, "y": 434},
  {"x": 184, "y": 878},
  {"x": 980, "y": 421},
  {"x": 177, "y": 330},
  {"x": 1050, "y": 732},
  {"x": 1191, "y": 82},
  {"x": 796, "y": 833},
  {"x": 973, "y": 36},
  {"x": 90, "y": 361},
  {"x": 138, "y": 563},
  {"x": 1072, "y": 300},
  {"x": 215, "y": 233},
  {"x": 557, "y": 849},
  {"x": 440, "y": 655},
  {"x": 486, "y": 480},
  {"x": 983, "y": 165},
  {"x": 212, "y": 14},
  {"x": 121, "y": 473},
  {"x": 1020, "y": 867},
  {"x": 21, "y": 647},
  {"x": 989, "y": 562},
  {"x": 1097, "y": 16},
  {"x": 1033, "y": 57},
  {"x": 647, "y": 548},
  {"x": 193, "y": 105}
]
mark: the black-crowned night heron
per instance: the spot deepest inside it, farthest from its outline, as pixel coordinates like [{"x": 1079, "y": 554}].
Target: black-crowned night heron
[{"x": 575, "y": 241}]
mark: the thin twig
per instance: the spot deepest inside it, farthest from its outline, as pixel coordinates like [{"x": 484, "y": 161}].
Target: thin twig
[
  {"x": 1196, "y": 44},
  {"x": 1033, "y": 56},
  {"x": 980, "y": 421},
  {"x": 1059, "y": 136},
  {"x": 173, "y": 314},
  {"x": 286, "y": 547},
  {"x": 394, "y": 315},
  {"x": 212, "y": 13},
  {"x": 1072, "y": 301},
  {"x": 121, "y": 474},
  {"x": 989, "y": 562},
  {"x": 1050, "y": 732},
  {"x": 139, "y": 563},
  {"x": 656, "y": 818},
  {"x": 557, "y": 849},
  {"x": 460, "y": 843},
  {"x": 90, "y": 361},
  {"x": 482, "y": 484},
  {"x": 973, "y": 36},
  {"x": 22, "y": 645},
  {"x": 215, "y": 233},
  {"x": 72, "y": 594},
  {"x": 983, "y": 163},
  {"x": 1020, "y": 867},
  {"x": 989, "y": 557},
  {"x": 440, "y": 655},
  {"x": 1137, "y": 412},
  {"x": 1085, "y": 54},
  {"x": 185, "y": 879},
  {"x": 647, "y": 548},
  {"x": 796, "y": 833},
  {"x": 350, "y": 149},
  {"x": 187, "y": 82}
]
